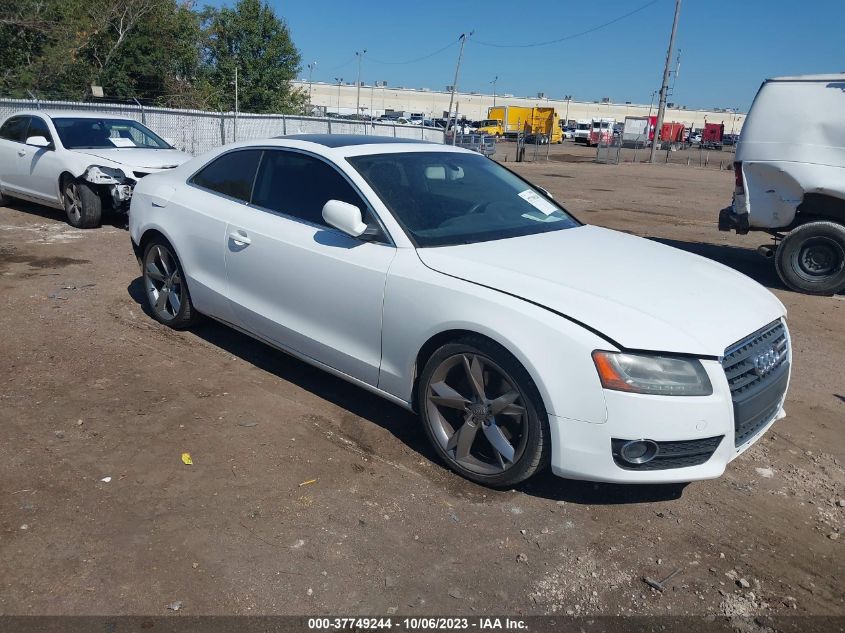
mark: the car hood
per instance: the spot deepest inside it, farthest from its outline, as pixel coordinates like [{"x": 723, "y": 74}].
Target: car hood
[
  {"x": 139, "y": 157},
  {"x": 638, "y": 293}
]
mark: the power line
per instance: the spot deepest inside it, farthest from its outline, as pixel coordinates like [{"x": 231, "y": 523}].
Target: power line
[
  {"x": 418, "y": 59},
  {"x": 572, "y": 36}
]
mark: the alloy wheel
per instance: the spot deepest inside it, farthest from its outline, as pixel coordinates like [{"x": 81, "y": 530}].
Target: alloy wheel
[
  {"x": 468, "y": 393},
  {"x": 73, "y": 202},
  {"x": 163, "y": 282}
]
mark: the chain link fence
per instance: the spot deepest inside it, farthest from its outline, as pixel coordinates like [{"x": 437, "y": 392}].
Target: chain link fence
[
  {"x": 198, "y": 131},
  {"x": 691, "y": 155}
]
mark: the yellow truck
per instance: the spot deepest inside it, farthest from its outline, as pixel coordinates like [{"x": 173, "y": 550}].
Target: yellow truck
[{"x": 510, "y": 121}]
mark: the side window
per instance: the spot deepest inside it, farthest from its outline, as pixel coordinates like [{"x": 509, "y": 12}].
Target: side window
[
  {"x": 231, "y": 174},
  {"x": 38, "y": 127},
  {"x": 299, "y": 185},
  {"x": 15, "y": 129}
]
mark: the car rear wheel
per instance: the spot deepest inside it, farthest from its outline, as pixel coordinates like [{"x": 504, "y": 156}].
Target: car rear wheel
[
  {"x": 811, "y": 259},
  {"x": 482, "y": 413},
  {"x": 165, "y": 288},
  {"x": 83, "y": 205}
]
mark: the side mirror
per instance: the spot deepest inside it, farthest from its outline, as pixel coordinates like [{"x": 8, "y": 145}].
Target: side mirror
[
  {"x": 38, "y": 141},
  {"x": 344, "y": 217}
]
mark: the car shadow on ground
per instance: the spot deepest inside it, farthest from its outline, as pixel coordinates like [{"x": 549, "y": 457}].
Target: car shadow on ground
[
  {"x": 401, "y": 423},
  {"x": 110, "y": 218},
  {"x": 744, "y": 260}
]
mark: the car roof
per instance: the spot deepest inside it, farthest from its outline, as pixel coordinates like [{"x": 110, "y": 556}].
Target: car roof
[
  {"x": 347, "y": 145},
  {"x": 825, "y": 77},
  {"x": 53, "y": 114},
  {"x": 346, "y": 140}
]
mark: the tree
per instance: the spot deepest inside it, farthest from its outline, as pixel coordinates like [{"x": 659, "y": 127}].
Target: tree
[{"x": 251, "y": 38}]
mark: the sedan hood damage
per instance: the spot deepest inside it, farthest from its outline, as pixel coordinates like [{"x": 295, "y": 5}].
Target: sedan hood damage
[
  {"x": 139, "y": 158},
  {"x": 636, "y": 292}
]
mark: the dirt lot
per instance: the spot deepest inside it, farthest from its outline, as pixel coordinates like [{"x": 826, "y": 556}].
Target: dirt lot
[{"x": 91, "y": 387}]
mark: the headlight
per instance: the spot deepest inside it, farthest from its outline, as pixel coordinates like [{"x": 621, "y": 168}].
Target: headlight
[
  {"x": 654, "y": 375},
  {"x": 104, "y": 175}
]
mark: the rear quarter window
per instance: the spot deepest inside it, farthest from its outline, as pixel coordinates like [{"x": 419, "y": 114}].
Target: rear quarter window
[{"x": 231, "y": 174}]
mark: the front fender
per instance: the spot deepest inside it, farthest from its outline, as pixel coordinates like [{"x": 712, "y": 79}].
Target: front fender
[{"x": 421, "y": 303}]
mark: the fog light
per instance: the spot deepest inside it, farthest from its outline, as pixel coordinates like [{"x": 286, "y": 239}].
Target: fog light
[{"x": 638, "y": 451}]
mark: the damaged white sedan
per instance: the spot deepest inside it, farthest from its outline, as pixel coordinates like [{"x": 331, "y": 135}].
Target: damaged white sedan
[{"x": 81, "y": 162}]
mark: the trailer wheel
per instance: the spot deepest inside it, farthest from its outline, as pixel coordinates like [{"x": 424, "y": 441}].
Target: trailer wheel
[{"x": 811, "y": 259}]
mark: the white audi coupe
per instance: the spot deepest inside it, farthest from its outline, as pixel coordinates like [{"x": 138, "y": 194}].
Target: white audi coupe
[{"x": 445, "y": 283}]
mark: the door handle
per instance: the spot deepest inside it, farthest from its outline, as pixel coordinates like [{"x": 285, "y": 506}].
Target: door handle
[{"x": 239, "y": 238}]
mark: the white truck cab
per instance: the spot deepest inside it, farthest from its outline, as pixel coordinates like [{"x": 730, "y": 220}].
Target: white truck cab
[
  {"x": 790, "y": 179},
  {"x": 582, "y": 131}
]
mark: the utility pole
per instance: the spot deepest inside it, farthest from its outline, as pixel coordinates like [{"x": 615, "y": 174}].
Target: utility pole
[
  {"x": 235, "y": 126},
  {"x": 339, "y": 81},
  {"x": 568, "y": 99},
  {"x": 495, "y": 79},
  {"x": 311, "y": 67},
  {"x": 661, "y": 108},
  {"x": 360, "y": 55},
  {"x": 463, "y": 39}
]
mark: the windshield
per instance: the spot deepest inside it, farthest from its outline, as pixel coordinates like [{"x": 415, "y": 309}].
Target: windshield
[
  {"x": 88, "y": 133},
  {"x": 448, "y": 198},
  {"x": 488, "y": 123}
]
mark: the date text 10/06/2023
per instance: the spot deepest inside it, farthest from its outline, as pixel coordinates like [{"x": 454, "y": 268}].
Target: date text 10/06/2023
[{"x": 416, "y": 624}]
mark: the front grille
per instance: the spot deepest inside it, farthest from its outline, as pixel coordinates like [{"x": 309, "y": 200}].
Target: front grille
[
  {"x": 757, "y": 369},
  {"x": 671, "y": 454}
]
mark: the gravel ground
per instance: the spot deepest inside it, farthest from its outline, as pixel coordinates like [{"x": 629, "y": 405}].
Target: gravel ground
[{"x": 99, "y": 515}]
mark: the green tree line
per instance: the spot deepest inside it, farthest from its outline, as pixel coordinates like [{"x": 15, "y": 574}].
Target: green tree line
[{"x": 166, "y": 52}]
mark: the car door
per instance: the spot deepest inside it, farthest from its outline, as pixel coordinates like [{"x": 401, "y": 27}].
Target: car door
[
  {"x": 300, "y": 283},
  {"x": 12, "y": 148},
  {"x": 197, "y": 214},
  {"x": 40, "y": 166}
]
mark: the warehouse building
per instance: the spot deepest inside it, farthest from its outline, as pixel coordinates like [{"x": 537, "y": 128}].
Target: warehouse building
[{"x": 375, "y": 100}]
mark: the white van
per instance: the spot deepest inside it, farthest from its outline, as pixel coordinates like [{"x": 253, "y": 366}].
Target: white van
[{"x": 790, "y": 179}]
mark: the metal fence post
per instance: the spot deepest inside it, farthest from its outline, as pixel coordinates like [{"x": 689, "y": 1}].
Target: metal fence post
[
  {"x": 284, "y": 125},
  {"x": 222, "y": 128},
  {"x": 329, "y": 124}
]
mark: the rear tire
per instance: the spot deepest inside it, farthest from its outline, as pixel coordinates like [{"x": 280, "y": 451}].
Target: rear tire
[
  {"x": 493, "y": 429},
  {"x": 83, "y": 205},
  {"x": 811, "y": 259}
]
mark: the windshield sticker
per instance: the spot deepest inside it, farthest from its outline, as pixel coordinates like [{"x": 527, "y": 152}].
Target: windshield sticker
[
  {"x": 539, "y": 202},
  {"x": 119, "y": 141},
  {"x": 540, "y": 217}
]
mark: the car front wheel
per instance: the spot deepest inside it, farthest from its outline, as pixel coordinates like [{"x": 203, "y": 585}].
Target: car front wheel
[
  {"x": 83, "y": 205},
  {"x": 165, "y": 289},
  {"x": 482, "y": 413}
]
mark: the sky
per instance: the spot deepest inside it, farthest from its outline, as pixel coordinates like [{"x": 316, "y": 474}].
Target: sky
[{"x": 727, "y": 47}]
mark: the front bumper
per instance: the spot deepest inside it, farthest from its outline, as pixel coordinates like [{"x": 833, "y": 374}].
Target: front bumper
[{"x": 583, "y": 450}]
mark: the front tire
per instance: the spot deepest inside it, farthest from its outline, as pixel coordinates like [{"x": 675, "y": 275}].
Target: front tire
[
  {"x": 811, "y": 259},
  {"x": 483, "y": 413},
  {"x": 165, "y": 288},
  {"x": 83, "y": 205}
]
